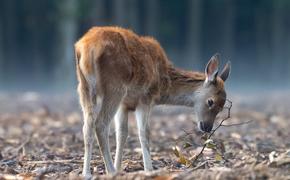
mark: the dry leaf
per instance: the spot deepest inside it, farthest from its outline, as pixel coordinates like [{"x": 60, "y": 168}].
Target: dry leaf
[
  {"x": 186, "y": 145},
  {"x": 218, "y": 157}
]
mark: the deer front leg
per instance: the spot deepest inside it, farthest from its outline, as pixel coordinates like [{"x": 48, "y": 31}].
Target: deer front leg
[
  {"x": 121, "y": 126},
  {"x": 142, "y": 116}
]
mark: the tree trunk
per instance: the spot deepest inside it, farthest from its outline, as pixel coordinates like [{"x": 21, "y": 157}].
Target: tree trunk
[
  {"x": 1, "y": 48},
  {"x": 228, "y": 29},
  {"x": 68, "y": 31},
  {"x": 97, "y": 14},
  {"x": 151, "y": 17},
  {"x": 193, "y": 44},
  {"x": 263, "y": 54},
  {"x": 277, "y": 37},
  {"x": 120, "y": 13},
  {"x": 10, "y": 39},
  {"x": 133, "y": 15}
]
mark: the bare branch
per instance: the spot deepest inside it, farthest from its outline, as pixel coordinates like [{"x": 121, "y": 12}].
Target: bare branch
[
  {"x": 214, "y": 130},
  {"x": 40, "y": 172},
  {"x": 221, "y": 123},
  {"x": 237, "y": 124},
  {"x": 187, "y": 133},
  {"x": 73, "y": 161}
]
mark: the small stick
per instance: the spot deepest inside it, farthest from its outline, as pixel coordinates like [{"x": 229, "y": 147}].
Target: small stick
[
  {"x": 186, "y": 173},
  {"x": 212, "y": 132},
  {"x": 59, "y": 161},
  {"x": 40, "y": 172},
  {"x": 22, "y": 146},
  {"x": 237, "y": 124}
]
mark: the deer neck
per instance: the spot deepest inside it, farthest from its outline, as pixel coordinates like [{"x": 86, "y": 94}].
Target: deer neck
[{"x": 182, "y": 87}]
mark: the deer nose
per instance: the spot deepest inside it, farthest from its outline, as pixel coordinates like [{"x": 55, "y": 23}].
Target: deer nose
[{"x": 206, "y": 126}]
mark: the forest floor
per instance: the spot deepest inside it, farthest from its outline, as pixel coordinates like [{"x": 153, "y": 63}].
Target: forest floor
[{"x": 41, "y": 137}]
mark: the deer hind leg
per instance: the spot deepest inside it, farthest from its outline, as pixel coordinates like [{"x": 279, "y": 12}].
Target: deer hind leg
[
  {"x": 121, "y": 126},
  {"x": 88, "y": 104},
  {"x": 142, "y": 116},
  {"x": 110, "y": 104}
]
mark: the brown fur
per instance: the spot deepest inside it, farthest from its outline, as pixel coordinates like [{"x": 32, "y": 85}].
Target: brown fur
[{"x": 137, "y": 62}]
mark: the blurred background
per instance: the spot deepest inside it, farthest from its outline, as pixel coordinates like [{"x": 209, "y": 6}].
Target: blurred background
[
  {"x": 38, "y": 99},
  {"x": 37, "y": 38}
]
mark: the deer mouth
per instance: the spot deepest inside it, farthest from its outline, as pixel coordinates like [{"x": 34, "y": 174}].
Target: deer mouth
[{"x": 205, "y": 127}]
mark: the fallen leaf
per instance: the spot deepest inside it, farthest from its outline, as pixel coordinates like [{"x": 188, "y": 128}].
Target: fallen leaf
[
  {"x": 186, "y": 145},
  {"x": 210, "y": 144},
  {"x": 218, "y": 157}
]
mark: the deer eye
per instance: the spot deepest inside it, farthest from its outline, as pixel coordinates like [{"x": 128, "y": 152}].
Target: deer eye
[{"x": 209, "y": 102}]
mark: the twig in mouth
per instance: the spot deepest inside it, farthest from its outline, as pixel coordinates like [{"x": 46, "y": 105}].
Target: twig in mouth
[
  {"x": 187, "y": 133},
  {"x": 214, "y": 130},
  {"x": 221, "y": 123}
]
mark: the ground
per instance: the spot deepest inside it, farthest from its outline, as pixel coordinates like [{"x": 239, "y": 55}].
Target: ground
[{"x": 40, "y": 137}]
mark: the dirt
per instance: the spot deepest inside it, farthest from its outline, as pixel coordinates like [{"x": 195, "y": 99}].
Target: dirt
[{"x": 41, "y": 137}]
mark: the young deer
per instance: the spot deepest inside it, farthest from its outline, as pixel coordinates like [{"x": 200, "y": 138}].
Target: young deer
[{"x": 132, "y": 73}]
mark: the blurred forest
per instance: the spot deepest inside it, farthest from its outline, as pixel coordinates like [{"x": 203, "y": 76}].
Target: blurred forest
[
  {"x": 40, "y": 118},
  {"x": 37, "y": 37}
]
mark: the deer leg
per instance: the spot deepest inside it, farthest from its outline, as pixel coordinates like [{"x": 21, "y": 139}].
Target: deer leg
[
  {"x": 88, "y": 104},
  {"x": 109, "y": 107},
  {"x": 142, "y": 116},
  {"x": 121, "y": 126}
]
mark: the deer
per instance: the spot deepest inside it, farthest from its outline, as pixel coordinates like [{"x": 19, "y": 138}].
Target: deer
[{"x": 131, "y": 73}]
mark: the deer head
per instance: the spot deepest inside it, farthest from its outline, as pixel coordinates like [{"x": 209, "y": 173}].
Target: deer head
[{"x": 211, "y": 96}]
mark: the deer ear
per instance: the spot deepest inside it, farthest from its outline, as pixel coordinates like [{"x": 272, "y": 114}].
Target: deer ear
[
  {"x": 211, "y": 69},
  {"x": 226, "y": 71}
]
